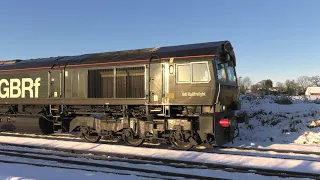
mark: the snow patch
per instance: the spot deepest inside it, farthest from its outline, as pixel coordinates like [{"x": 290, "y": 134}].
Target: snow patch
[
  {"x": 283, "y": 120},
  {"x": 191, "y": 156}
]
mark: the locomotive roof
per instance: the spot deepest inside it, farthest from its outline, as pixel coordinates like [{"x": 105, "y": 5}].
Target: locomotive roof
[{"x": 198, "y": 49}]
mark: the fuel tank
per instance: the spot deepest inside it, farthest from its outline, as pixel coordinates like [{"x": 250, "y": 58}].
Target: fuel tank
[{"x": 26, "y": 124}]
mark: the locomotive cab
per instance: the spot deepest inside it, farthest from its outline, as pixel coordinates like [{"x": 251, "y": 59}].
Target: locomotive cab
[
  {"x": 207, "y": 87},
  {"x": 198, "y": 96}
]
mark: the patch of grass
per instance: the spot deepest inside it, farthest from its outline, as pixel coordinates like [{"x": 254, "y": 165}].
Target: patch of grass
[
  {"x": 249, "y": 97},
  {"x": 263, "y": 122},
  {"x": 284, "y": 131},
  {"x": 317, "y": 101},
  {"x": 293, "y": 128},
  {"x": 257, "y": 102},
  {"x": 294, "y": 125},
  {"x": 313, "y": 113},
  {"x": 281, "y": 115},
  {"x": 271, "y": 139},
  {"x": 260, "y": 112},
  {"x": 250, "y": 127},
  {"x": 274, "y": 122},
  {"x": 242, "y": 113},
  {"x": 297, "y": 121}
]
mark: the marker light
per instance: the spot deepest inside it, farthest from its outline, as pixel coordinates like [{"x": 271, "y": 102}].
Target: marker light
[
  {"x": 224, "y": 123},
  {"x": 171, "y": 69}
]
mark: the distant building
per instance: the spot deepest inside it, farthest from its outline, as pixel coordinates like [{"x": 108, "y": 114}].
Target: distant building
[{"x": 313, "y": 91}]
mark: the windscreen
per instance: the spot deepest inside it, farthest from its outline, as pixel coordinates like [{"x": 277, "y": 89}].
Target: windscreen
[{"x": 226, "y": 72}]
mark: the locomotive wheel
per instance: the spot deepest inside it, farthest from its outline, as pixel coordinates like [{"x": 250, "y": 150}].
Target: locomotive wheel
[
  {"x": 181, "y": 140},
  {"x": 89, "y": 137},
  {"x": 130, "y": 139},
  {"x": 92, "y": 139}
]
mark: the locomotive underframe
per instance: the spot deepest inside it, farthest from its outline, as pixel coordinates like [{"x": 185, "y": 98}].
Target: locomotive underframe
[{"x": 186, "y": 127}]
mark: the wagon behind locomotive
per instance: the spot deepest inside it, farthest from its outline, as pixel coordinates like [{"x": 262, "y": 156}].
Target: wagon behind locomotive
[{"x": 183, "y": 94}]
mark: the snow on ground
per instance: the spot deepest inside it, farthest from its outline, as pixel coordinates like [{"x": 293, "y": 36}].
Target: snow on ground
[
  {"x": 274, "y": 120},
  {"x": 11, "y": 171},
  {"x": 226, "y": 159}
]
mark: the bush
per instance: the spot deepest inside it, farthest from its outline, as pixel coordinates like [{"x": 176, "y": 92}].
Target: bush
[
  {"x": 317, "y": 101},
  {"x": 283, "y": 100},
  {"x": 249, "y": 97},
  {"x": 274, "y": 122}
]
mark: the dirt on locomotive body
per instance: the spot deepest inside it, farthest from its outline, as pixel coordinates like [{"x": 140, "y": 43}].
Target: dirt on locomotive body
[{"x": 186, "y": 95}]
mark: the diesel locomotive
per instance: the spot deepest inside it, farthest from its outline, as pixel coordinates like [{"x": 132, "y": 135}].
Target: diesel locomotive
[{"x": 185, "y": 95}]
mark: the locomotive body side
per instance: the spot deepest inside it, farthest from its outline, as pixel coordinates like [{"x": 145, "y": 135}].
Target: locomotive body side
[{"x": 169, "y": 94}]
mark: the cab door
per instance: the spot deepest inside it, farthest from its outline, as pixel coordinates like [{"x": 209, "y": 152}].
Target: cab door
[
  {"x": 56, "y": 82},
  {"x": 156, "y": 81},
  {"x": 159, "y": 81}
]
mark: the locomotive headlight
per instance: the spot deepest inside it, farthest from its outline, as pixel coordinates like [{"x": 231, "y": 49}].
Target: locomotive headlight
[
  {"x": 223, "y": 107},
  {"x": 171, "y": 69}
]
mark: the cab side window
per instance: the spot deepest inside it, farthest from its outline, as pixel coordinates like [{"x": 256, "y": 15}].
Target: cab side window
[
  {"x": 183, "y": 73},
  {"x": 195, "y": 72},
  {"x": 200, "y": 72}
]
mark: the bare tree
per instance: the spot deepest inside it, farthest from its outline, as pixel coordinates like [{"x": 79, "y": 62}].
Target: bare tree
[
  {"x": 244, "y": 84},
  {"x": 315, "y": 80},
  {"x": 255, "y": 88},
  {"x": 291, "y": 87},
  {"x": 280, "y": 86},
  {"x": 303, "y": 83},
  {"x": 247, "y": 82}
]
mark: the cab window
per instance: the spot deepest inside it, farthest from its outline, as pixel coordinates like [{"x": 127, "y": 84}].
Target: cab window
[
  {"x": 195, "y": 72},
  {"x": 231, "y": 75},
  {"x": 225, "y": 71},
  {"x": 200, "y": 72},
  {"x": 183, "y": 73}
]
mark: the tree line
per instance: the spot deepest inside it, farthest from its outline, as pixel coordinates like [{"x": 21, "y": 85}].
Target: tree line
[{"x": 291, "y": 87}]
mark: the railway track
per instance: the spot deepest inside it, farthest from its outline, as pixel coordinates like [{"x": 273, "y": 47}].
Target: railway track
[
  {"x": 79, "y": 157},
  {"x": 95, "y": 164},
  {"x": 272, "y": 150},
  {"x": 295, "y": 154},
  {"x": 270, "y": 153},
  {"x": 65, "y": 167}
]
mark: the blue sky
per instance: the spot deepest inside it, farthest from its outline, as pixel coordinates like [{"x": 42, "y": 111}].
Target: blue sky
[{"x": 272, "y": 39}]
